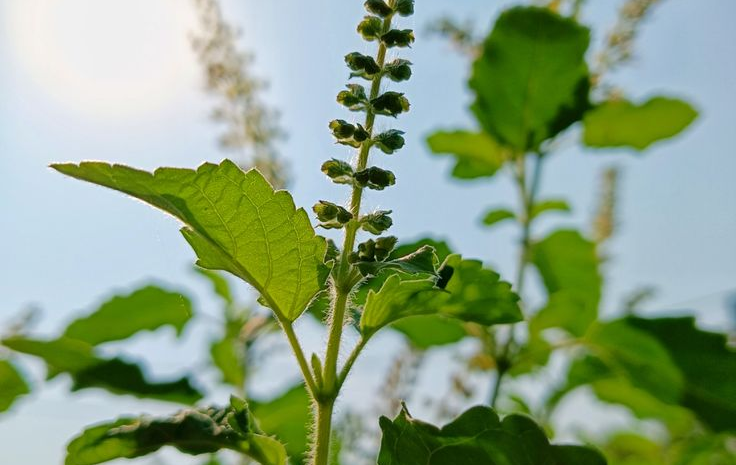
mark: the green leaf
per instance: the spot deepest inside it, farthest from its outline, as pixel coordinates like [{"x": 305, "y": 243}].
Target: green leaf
[
  {"x": 531, "y": 80},
  {"x": 219, "y": 284},
  {"x": 549, "y": 205},
  {"x": 471, "y": 294},
  {"x": 421, "y": 261},
  {"x": 441, "y": 248},
  {"x": 497, "y": 215},
  {"x": 288, "y": 418},
  {"x": 77, "y": 358},
  {"x": 476, "y": 437},
  {"x": 191, "y": 431},
  {"x": 235, "y": 222},
  {"x": 568, "y": 264},
  {"x": 229, "y": 357},
  {"x": 121, "y": 317},
  {"x": 425, "y": 331},
  {"x": 12, "y": 385},
  {"x": 621, "y": 123},
  {"x": 476, "y": 153},
  {"x": 707, "y": 363}
]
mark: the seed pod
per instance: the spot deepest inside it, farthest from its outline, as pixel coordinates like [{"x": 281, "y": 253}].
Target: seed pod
[
  {"x": 398, "y": 70},
  {"x": 384, "y": 246},
  {"x": 341, "y": 129},
  {"x": 375, "y": 178},
  {"x": 389, "y": 141},
  {"x": 370, "y": 28},
  {"x": 339, "y": 171},
  {"x": 404, "y": 7},
  {"x": 378, "y": 7},
  {"x": 363, "y": 65},
  {"x": 398, "y": 38},
  {"x": 390, "y": 103},
  {"x": 376, "y": 222},
  {"x": 367, "y": 251},
  {"x": 354, "y": 98}
]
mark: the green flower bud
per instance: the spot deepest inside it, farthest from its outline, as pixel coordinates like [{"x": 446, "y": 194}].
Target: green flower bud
[
  {"x": 329, "y": 212},
  {"x": 375, "y": 178},
  {"x": 384, "y": 246},
  {"x": 370, "y": 28},
  {"x": 398, "y": 38},
  {"x": 367, "y": 251},
  {"x": 339, "y": 171},
  {"x": 389, "y": 141},
  {"x": 378, "y": 7},
  {"x": 363, "y": 65},
  {"x": 361, "y": 134},
  {"x": 354, "y": 98},
  {"x": 398, "y": 70},
  {"x": 376, "y": 222},
  {"x": 390, "y": 103},
  {"x": 404, "y": 7},
  {"x": 341, "y": 129},
  {"x": 325, "y": 211}
]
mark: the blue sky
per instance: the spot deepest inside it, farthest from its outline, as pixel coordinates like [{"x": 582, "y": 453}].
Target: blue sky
[{"x": 116, "y": 80}]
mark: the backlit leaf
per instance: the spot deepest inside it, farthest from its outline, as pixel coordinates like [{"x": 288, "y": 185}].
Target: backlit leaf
[
  {"x": 235, "y": 222},
  {"x": 425, "y": 331},
  {"x": 497, "y": 215},
  {"x": 12, "y": 385},
  {"x": 531, "y": 80},
  {"x": 287, "y": 416},
  {"x": 476, "y": 153},
  {"x": 621, "y": 123},
  {"x": 123, "y": 316}
]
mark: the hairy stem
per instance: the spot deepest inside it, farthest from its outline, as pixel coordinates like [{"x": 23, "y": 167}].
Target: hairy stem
[{"x": 343, "y": 286}]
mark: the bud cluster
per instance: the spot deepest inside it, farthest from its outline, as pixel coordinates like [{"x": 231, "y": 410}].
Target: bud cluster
[{"x": 375, "y": 27}]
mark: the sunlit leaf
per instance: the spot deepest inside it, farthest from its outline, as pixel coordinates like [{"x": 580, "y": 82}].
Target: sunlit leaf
[
  {"x": 287, "y": 416},
  {"x": 121, "y": 317},
  {"x": 191, "y": 431},
  {"x": 471, "y": 293},
  {"x": 12, "y": 385},
  {"x": 707, "y": 363},
  {"x": 620, "y": 123},
  {"x": 476, "y": 437},
  {"x": 420, "y": 261},
  {"x": 235, "y": 222},
  {"x": 87, "y": 370},
  {"x": 549, "y": 205},
  {"x": 531, "y": 80},
  {"x": 497, "y": 215},
  {"x": 568, "y": 264},
  {"x": 476, "y": 153}
]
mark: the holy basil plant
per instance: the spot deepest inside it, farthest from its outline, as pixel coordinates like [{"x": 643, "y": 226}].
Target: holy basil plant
[{"x": 236, "y": 222}]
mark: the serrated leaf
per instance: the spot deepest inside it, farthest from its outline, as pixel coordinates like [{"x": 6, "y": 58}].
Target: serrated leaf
[
  {"x": 441, "y": 248},
  {"x": 145, "y": 309},
  {"x": 497, "y": 215},
  {"x": 476, "y": 437},
  {"x": 235, "y": 222},
  {"x": 621, "y": 123},
  {"x": 471, "y": 294},
  {"x": 707, "y": 365},
  {"x": 87, "y": 370},
  {"x": 549, "y": 205},
  {"x": 191, "y": 431},
  {"x": 568, "y": 264},
  {"x": 421, "y": 261},
  {"x": 12, "y": 385},
  {"x": 288, "y": 417},
  {"x": 531, "y": 80},
  {"x": 476, "y": 153}
]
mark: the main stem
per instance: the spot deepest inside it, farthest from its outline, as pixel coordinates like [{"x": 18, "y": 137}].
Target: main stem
[
  {"x": 343, "y": 285},
  {"x": 527, "y": 195}
]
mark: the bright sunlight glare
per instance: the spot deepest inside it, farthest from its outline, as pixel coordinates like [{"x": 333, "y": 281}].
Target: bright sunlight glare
[{"x": 105, "y": 58}]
